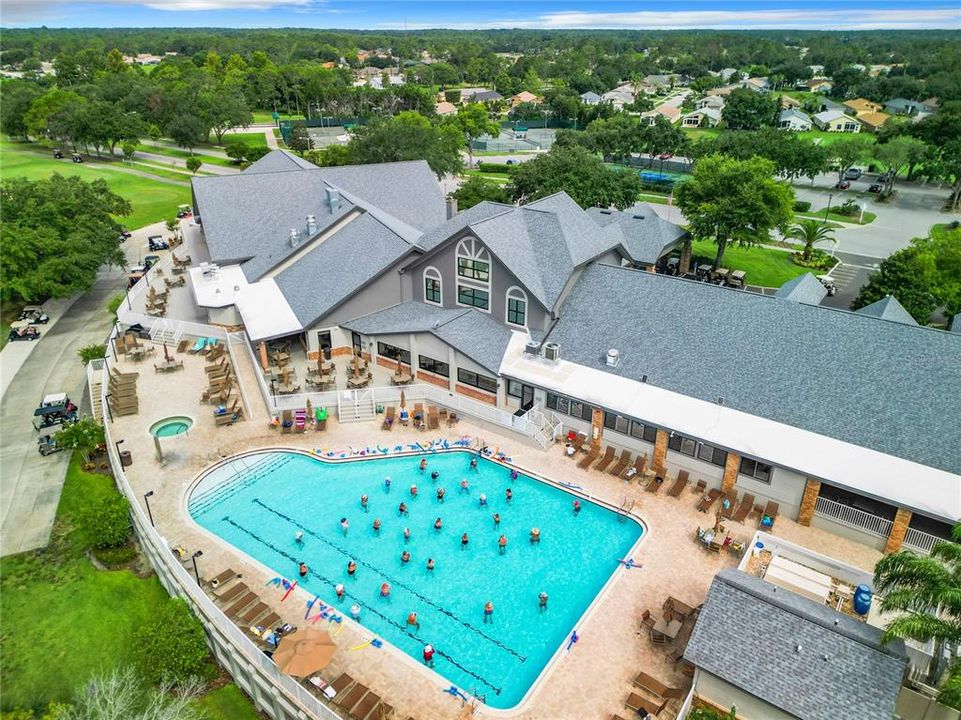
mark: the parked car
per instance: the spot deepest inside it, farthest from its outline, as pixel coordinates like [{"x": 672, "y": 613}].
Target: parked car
[
  {"x": 156, "y": 242},
  {"x": 34, "y": 314},
  {"x": 876, "y": 187},
  {"x": 852, "y": 174},
  {"x": 76, "y": 158},
  {"x": 843, "y": 185},
  {"x": 27, "y": 332}
]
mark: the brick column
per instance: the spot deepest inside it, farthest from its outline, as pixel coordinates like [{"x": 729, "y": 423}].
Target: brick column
[
  {"x": 658, "y": 463},
  {"x": 731, "y": 467},
  {"x": 597, "y": 428},
  {"x": 812, "y": 488},
  {"x": 899, "y": 529},
  {"x": 684, "y": 263}
]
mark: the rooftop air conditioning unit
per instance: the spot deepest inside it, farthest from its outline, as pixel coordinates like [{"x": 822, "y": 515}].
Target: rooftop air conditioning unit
[
  {"x": 311, "y": 224},
  {"x": 613, "y": 357},
  {"x": 532, "y": 348},
  {"x": 293, "y": 237},
  {"x": 552, "y": 351}
]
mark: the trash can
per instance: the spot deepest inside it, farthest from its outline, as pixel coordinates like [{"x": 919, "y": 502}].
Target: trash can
[
  {"x": 126, "y": 459},
  {"x": 862, "y": 600}
]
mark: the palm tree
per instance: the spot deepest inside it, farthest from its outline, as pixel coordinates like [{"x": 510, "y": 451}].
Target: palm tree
[
  {"x": 926, "y": 591},
  {"x": 811, "y": 232}
]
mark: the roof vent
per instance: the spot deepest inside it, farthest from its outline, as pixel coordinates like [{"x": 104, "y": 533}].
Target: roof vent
[
  {"x": 293, "y": 237},
  {"x": 720, "y": 400},
  {"x": 638, "y": 217},
  {"x": 552, "y": 351},
  {"x": 613, "y": 357},
  {"x": 532, "y": 348},
  {"x": 607, "y": 212},
  {"x": 333, "y": 199},
  {"x": 643, "y": 378},
  {"x": 311, "y": 224}
]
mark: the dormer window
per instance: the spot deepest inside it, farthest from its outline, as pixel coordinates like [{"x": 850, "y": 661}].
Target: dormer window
[{"x": 432, "y": 286}]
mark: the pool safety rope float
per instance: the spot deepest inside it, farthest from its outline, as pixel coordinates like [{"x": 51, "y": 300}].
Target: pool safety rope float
[
  {"x": 452, "y": 690},
  {"x": 628, "y": 563}
]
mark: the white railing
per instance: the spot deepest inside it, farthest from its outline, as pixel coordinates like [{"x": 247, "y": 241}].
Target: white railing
[
  {"x": 852, "y": 517},
  {"x": 686, "y": 705},
  {"x": 273, "y": 692},
  {"x": 920, "y": 540}
]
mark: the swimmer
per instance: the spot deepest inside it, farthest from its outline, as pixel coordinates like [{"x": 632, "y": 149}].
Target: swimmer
[
  {"x": 303, "y": 570},
  {"x": 502, "y": 544},
  {"x": 413, "y": 491},
  {"x": 473, "y": 464},
  {"x": 299, "y": 537},
  {"x": 542, "y": 601},
  {"x": 402, "y": 509},
  {"x": 385, "y": 590},
  {"x": 355, "y": 611},
  {"x": 482, "y": 501},
  {"x": 423, "y": 465},
  {"x": 376, "y": 526},
  {"x": 363, "y": 503},
  {"x": 434, "y": 475},
  {"x": 429, "y": 655},
  {"x": 489, "y": 612},
  {"x": 535, "y": 535},
  {"x": 351, "y": 568},
  {"x": 340, "y": 591},
  {"x": 463, "y": 541},
  {"x": 509, "y": 494},
  {"x": 440, "y": 494},
  {"x": 430, "y": 564},
  {"x": 412, "y": 621},
  {"x": 406, "y": 535},
  {"x": 387, "y": 484},
  {"x": 513, "y": 475},
  {"x": 344, "y": 525},
  {"x": 497, "y": 520},
  {"x": 438, "y": 524},
  {"x": 464, "y": 486},
  {"x": 405, "y": 557},
  {"x": 577, "y": 506}
]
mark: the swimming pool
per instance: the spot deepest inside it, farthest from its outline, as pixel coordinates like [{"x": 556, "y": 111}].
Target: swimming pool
[{"x": 258, "y": 502}]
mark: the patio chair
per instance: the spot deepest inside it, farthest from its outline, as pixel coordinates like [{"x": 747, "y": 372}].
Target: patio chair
[
  {"x": 452, "y": 419},
  {"x": 700, "y": 487},
  {"x": 621, "y": 465},
  {"x": 591, "y": 456},
  {"x": 708, "y": 500},
  {"x": 216, "y": 368},
  {"x": 223, "y": 578},
  {"x": 231, "y": 593},
  {"x": 198, "y": 346},
  {"x": 254, "y": 612},
  {"x": 769, "y": 515},
  {"x": 388, "y": 423},
  {"x": 747, "y": 503},
  {"x": 679, "y": 484},
  {"x": 648, "y": 621},
  {"x": 286, "y": 422},
  {"x": 606, "y": 460},
  {"x": 362, "y": 709},
  {"x": 674, "y": 656},
  {"x": 637, "y": 469}
]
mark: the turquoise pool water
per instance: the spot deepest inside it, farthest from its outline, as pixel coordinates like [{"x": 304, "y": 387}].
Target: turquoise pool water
[
  {"x": 258, "y": 502},
  {"x": 169, "y": 427}
]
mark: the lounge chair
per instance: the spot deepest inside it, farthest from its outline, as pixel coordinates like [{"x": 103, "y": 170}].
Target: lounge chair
[
  {"x": 198, "y": 346},
  {"x": 728, "y": 503},
  {"x": 182, "y": 346},
  {"x": 270, "y": 621},
  {"x": 300, "y": 420},
  {"x": 700, "y": 487},
  {"x": 420, "y": 419},
  {"x": 591, "y": 456},
  {"x": 708, "y": 500},
  {"x": 637, "y": 469},
  {"x": 744, "y": 509},
  {"x": 352, "y": 697},
  {"x": 653, "y": 685},
  {"x": 388, "y": 423},
  {"x": 405, "y": 417},
  {"x": 606, "y": 460},
  {"x": 679, "y": 483},
  {"x": 242, "y": 602},
  {"x": 383, "y": 711},
  {"x": 320, "y": 419},
  {"x": 286, "y": 422},
  {"x": 231, "y": 593},
  {"x": 342, "y": 683},
  {"x": 654, "y": 485},
  {"x": 769, "y": 515},
  {"x": 362, "y": 709},
  {"x": 433, "y": 421},
  {"x": 621, "y": 465},
  {"x": 223, "y": 578},
  {"x": 637, "y": 703},
  {"x": 254, "y": 612}
]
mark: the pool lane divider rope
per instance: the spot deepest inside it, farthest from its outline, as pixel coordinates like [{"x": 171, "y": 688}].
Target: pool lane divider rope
[
  {"x": 375, "y": 611},
  {"x": 393, "y": 580}
]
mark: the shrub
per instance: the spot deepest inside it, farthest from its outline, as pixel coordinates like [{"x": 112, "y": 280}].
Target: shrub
[
  {"x": 106, "y": 524},
  {"x": 171, "y": 645},
  {"x": 848, "y": 209},
  {"x": 115, "y": 557},
  {"x": 91, "y": 352},
  {"x": 819, "y": 260},
  {"x": 801, "y": 206},
  {"x": 114, "y": 304},
  {"x": 490, "y": 167}
]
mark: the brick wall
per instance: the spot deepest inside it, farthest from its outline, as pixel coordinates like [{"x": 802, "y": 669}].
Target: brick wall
[
  {"x": 341, "y": 351},
  {"x": 434, "y": 379},
  {"x": 899, "y": 529},
  {"x": 731, "y": 467},
  {"x": 476, "y": 394},
  {"x": 812, "y": 488},
  {"x": 658, "y": 462},
  {"x": 597, "y": 427},
  {"x": 391, "y": 364}
]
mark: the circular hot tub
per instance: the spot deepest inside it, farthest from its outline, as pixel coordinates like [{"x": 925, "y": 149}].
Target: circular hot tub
[{"x": 171, "y": 426}]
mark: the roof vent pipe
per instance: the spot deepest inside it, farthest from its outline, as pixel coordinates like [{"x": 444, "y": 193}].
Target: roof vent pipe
[
  {"x": 613, "y": 357},
  {"x": 293, "y": 237},
  {"x": 311, "y": 225},
  {"x": 451, "y": 207},
  {"x": 333, "y": 199}
]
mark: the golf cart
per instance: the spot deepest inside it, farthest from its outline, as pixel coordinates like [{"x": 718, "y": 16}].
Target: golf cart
[
  {"x": 156, "y": 242},
  {"x": 54, "y": 411},
  {"x": 47, "y": 445},
  {"x": 58, "y": 155},
  {"x": 76, "y": 158},
  {"x": 828, "y": 282},
  {"x": 184, "y": 211},
  {"x": 125, "y": 234},
  {"x": 27, "y": 332},
  {"x": 133, "y": 277},
  {"x": 150, "y": 260},
  {"x": 33, "y": 314}
]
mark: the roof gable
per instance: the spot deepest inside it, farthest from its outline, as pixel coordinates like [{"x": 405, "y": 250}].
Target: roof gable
[
  {"x": 888, "y": 308},
  {"x": 278, "y": 161},
  {"x": 803, "y": 289}
]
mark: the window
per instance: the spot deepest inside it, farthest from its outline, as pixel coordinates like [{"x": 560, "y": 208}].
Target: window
[
  {"x": 634, "y": 428},
  {"x": 479, "y": 381},
  {"x": 514, "y": 388},
  {"x": 574, "y": 408},
  {"x": 517, "y": 307},
  {"x": 473, "y": 269},
  {"x": 432, "y": 286},
  {"x": 433, "y": 366},
  {"x": 473, "y": 297},
  {"x": 618, "y": 423},
  {"x": 756, "y": 469},
  {"x": 693, "y": 448},
  {"x": 394, "y": 353},
  {"x": 647, "y": 433}
]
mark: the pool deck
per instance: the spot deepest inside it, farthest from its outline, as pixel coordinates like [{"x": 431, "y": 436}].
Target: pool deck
[{"x": 591, "y": 681}]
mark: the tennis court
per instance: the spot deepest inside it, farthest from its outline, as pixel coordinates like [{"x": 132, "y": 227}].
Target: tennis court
[
  {"x": 330, "y": 135},
  {"x": 519, "y": 140}
]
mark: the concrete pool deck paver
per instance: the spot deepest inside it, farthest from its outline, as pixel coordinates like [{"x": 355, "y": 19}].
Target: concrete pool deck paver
[{"x": 590, "y": 681}]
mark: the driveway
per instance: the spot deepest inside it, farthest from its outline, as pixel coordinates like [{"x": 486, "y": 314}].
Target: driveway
[{"x": 849, "y": 277}]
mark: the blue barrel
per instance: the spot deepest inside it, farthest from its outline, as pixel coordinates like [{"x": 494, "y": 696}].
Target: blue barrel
[{"x": 862, "y": 600}]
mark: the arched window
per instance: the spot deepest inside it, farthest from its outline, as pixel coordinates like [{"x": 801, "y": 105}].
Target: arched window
[
  {"x": 432, "y": 286},
  {"x": 516, "y": 307},
  {"x": 473, "y": 270}
]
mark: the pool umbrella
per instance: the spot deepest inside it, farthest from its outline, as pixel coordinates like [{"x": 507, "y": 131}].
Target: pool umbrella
[
  {"x": 403, "y": 400},
  {"x": 166, "y": 353},
  {"x": 305, "y": 652}
]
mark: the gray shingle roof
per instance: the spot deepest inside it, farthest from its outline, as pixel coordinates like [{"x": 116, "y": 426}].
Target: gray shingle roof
[
  {"x": 790, "y": 113},
  {"x": 644, "y": 235},
  {"x": 471, "y": 332},
  {"x": 279, "y": 161},
  {"x": 880, "y": 385},
  {"x": 888, "y": 308},
  {"x": 956, "y": 323},
  {"x": 482, "y": 211},
  {"x": 799, "y": 656},
  {"x": 803, "y": 289}
]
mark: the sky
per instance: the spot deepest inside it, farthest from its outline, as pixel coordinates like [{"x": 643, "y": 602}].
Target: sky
[{"x": 469, "y": 14}]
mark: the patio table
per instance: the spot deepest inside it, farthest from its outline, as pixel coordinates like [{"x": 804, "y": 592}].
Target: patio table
[
  {"x": 170, "y": 365},
  {"x": 668, "y": 629},
  {"x": 137, "y": 353},
  {"x": 404, "y": 379},
  {"x": 357, "y": 382},
  {"x": 288, "y": 388}
]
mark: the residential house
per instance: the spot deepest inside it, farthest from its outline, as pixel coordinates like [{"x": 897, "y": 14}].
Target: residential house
[
  {"x": 834, "y": 121},
  {"x": 757, "y": 84},
  {"x": 660, "y": 82},
  {"x": 465, "y": 93},
  {"x": 860, "y": 106},
  {"x": 524, "y": 97},
  {"x": 590, "y": 98},
  {"x": 620, "y": 96},
  {"x": 819, "y": 85},
  {"x": 723, "y": 91},
  {"x": 792, "y": 119},
  {"x": 873, "y": 122},
  {"x": 445, "y": 108},
  {"x": 788, "y": 102},
  {"x": 727, "y": 73},
  {"x": 710, "y": 101},
  {"x": 774, "y": 654},
  {"x": 827, "y": 104},
  {"x": 705, "y": 117},
  {"x": 371, "y": 259},
  {"x": 486, "y": 96},
  {"x": 670, "y": 113},
  {"x": 816, "y": 70},
  {"x": 931, "y": 104},
  {"x": 901, "y": 106}
]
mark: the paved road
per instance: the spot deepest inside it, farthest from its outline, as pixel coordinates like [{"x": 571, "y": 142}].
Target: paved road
[{"x": 849, "y": 277}]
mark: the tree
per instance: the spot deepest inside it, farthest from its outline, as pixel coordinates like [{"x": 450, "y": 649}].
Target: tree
[
  {"x": 749, "y": 110},
  {"x": 106, "y": 522},
  {"x": 903, "y": 275},
  {"x": 300, "y": 139},
  {"x": 898, "y": 154},
  {"x": 171, "y": 645},
  {"x": 473, "y": 121},
  {"x": 580, "y": 174},
  {"x": 187, "y": 130},
  {"x": 85, "y": 435},
  {"x": 92, "y": 352},
  {"x": 224, "y": 110},
  {"x": 926, "y": 594},
  {"x": 477, "y": 189},
  {"x": 616, "y": 137},
  {"x": 731, "y": 200},
  {"x": 848, "y": 151},
  {"x": 120, "y": 694},
  {"x": 17, "y": 98},
  {"x": 57, "y": 234},
  {"x": 408, "y": 136},
  {"x": 810, "y": 232},
  {"x": 193, "y": 164},
  {"x": 128, "y": 149}
]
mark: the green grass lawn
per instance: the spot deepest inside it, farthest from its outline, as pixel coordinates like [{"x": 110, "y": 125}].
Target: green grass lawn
[
  {"x": 763, "y": 266},
  {"x": 266, "y": 116},
  {"x": 174, "y": 152},
  {"x": 151, "y": 200},
  {"x": 253, "y": 139},
  {"x": 869, "y": 217},
  {"x": 227, "y": 703}
]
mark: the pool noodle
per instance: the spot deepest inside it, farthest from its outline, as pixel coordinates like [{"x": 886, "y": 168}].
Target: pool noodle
[
  {"x": 362, "y": 645},
  {"x": 574, "y": 638},
  {"x": 290, "y": 590}
]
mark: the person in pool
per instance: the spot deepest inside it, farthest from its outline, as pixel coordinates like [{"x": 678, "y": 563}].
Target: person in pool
[
  {"x": 413, "y": 491},
  {"x": 344, "y": 525},
  {"x": 502, "y": 544},
  {"x": 513, "y": 475},
  {"x": 542, "y": 601},
  {"x": 402, "y": 509},
  {"x": 434, "y": 475},
  {"x": 303, "y": 569},
  {"x": 438, "y": 524},
  {"x": 363, "y": 503},
  {"x": 351, "y": 568},
  {"x": 509, "y": 495},
  {"x": 430, "y": 564},
  {"x": 440, "y": 494},
  {"x": 489, "y": 612},
  {"x": 429, "y": 655},
  {"x": 387, "y": 482},
  {"x": 405, "y": 557},
  {"x": 385, "y": 590},
  {"x": 406, "y": 535},
  {"x": 535, "y": 535},
  {"x": 355, "y": 611},
  {"x": 340, "y": 591},
  {"x": 376, "y": 526},
  {"x": 473, "y": 464},
  {"x": 464, "y": 486},
  {"x": 412, "y": 621},
  {"x": 577, "y": 506},
  {"x": 299, "y": 537},
  {"x": 423, "y": 465},
  {"x": 482, "y": 500},
  {"x": 497, "y": 520},
  {"x": 464, "y": 540}
]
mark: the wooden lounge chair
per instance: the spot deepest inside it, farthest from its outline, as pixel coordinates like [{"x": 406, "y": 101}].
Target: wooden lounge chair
[
  {"x": 637, "y": 703},
  {"x": 770, "y": 511},
  {"x": 653, "y": 685},
  {"x": 655, "y": 483},
  {"x": 254, "y": 612},
  {"x": 388, "y": 423},
  {"x": 679, "y": 483},
  {"x": 182, "y": 346},
  {"x": 242, "y": 602},
  {"x": 342, "y": 683},
  {"x": 286, "y": 422},
  {"x": 747, "y": 504},
  {"x": 351, "y": 697},
  {"x": 591, "y": 456},
  {"x": 362, "y": 709},
  {"x": 606, "y": 460},
  {"x": 223, "y": 578},
  {"x": 621, "y": 465},
  {"x": 432, "y": 420},
  {"x": 270, "y": 621},
  {"x": 708, "y": 500},
  {"x": 700, "y": 487},
  {"x": 234, "y": 591},
  {"x": 383, "y": 711},
  {"x": 637, "y": 469},
  {"x": 727, "y": 508}
]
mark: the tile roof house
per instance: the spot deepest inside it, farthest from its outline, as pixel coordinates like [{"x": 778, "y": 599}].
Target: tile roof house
[
  {"x": 788, "y": 102},
  {"x": 901, "y": 106},
  {"x": 834, "y": 121},
  {"x": 671, "y": 114},
  {"x": 710, "y": 101},
  {"x": 445, "y": 108},
  {"x": 590, "y": 98},
  {"x": 793, "y": 119},
  {"x": 820, "y": 85},
  {"x": 777, "y": 655},
  {"x": 860, "y": 106},
  {"x": 873, "y": 122},
  {"x": 523, "y": 97}
]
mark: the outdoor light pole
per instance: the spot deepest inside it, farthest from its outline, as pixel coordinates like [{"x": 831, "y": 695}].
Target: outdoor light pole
[
  {"x": 827, "y": 211},
  {"x": 194, "y": 559},
  {"x": 109, "y": 413},
  {"x": 117, "y": 445},
  {"x": 146, "y": 499}
]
